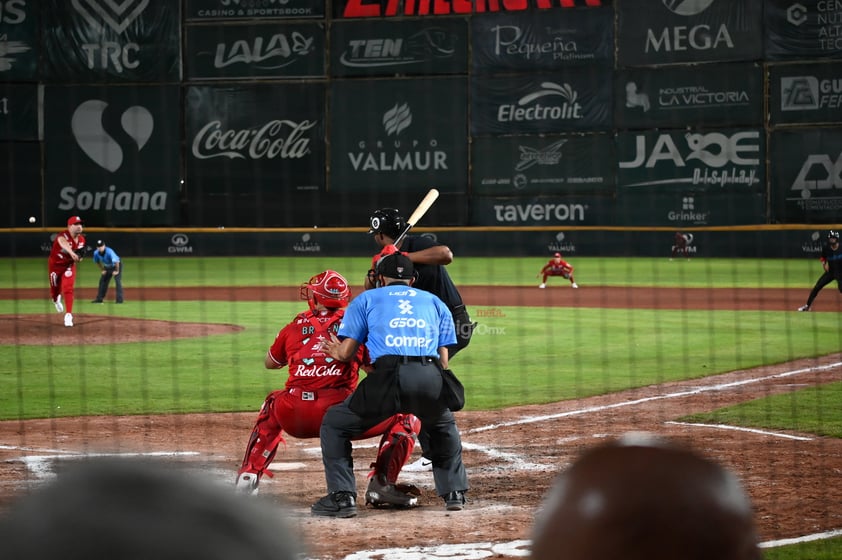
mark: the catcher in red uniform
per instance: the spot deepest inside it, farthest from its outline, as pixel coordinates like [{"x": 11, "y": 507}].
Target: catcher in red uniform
[
  {"x": 316, "y": 382},
  {"x": 68, "y": 249},
  {"x": 557, "y": 267}
]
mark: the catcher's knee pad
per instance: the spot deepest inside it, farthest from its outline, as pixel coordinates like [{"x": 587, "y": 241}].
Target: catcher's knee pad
[
  {"x": 396, "y": 446},
  {"x": 265, "y": 438}
]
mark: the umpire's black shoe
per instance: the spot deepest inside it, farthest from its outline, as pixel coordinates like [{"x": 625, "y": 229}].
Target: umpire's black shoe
[
  {"x": 336, "y": 504},
  {"x": 383, "y": 494},
  {"x": 454, "y": 501},
  {"x": 96, "y": 301}
]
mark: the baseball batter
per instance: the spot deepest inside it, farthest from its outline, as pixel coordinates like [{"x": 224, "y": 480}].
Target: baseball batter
[
  {"x": 831, "y": 259},
  {"x": 68, "y": 249},
  {"x": 557, "y": 267},
  {"x": 316, "y": 382}
]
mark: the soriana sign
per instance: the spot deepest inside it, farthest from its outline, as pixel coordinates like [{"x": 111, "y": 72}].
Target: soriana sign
[{"x": 390, "y": 8}]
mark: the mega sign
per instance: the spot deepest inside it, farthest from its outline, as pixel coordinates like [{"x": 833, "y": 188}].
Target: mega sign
[{"x": 391, "y": 8}]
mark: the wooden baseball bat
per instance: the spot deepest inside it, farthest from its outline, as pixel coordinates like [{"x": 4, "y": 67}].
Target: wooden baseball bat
[{"x": 418, "y": 213}]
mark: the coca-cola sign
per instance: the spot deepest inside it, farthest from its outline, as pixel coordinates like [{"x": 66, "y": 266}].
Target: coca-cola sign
[
  {"x": 242, "y": 140},
  {"x": 283, "y": 139}
]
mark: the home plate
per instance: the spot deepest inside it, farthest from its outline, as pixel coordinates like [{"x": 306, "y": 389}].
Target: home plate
[{"x": 286, "y": 466}]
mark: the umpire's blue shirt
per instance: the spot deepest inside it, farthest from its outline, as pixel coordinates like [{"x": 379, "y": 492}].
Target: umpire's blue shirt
[
  {"x": 398, "y": 320},
  {"x": 108, "y": 258}
]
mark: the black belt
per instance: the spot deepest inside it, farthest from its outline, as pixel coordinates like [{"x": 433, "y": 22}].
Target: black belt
[{"x": 393, "y": 359}]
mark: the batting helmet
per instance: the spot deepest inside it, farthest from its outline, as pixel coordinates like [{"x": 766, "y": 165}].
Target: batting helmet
[
  {"x": 328, "y": 288},
  {"x": 833, "y": 234},
  {"x": 387, "y": 221}
]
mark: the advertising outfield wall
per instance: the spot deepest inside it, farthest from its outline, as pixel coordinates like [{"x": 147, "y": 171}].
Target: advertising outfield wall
[
  {"x": 260, "y": 113},
  {"x": 538, "y": 242}
]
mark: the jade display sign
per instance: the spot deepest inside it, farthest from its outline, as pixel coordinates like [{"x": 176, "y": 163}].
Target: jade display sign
[{"x": 730, "y": 160}]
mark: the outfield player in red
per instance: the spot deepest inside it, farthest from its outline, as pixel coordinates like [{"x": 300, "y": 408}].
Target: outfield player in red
[
  {"x": 679, "y": 246},
  {"x": 557, "y": 267},
  {"x": 316, "y": 382},
  {"x": 68, "y": 249}
]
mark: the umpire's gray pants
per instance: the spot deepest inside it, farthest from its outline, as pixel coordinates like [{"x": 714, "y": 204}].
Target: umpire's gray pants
[{"x": 420, "y": 386}]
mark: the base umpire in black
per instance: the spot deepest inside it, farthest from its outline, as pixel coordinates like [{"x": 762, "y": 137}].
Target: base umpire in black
[{"x": 406, "y": 331}]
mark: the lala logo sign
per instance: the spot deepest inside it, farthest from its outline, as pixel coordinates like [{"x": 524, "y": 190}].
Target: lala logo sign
[{"x": 118, "y": 15}]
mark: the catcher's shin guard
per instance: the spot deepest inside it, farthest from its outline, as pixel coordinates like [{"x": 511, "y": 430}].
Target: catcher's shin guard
[
  {"x": 263, "y": 443},
  {"x": 396, "y": 447}
]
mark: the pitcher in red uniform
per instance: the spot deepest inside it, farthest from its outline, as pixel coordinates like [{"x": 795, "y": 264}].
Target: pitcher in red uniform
[
  {"x": 316, "y": 382},
  {"x": 68, "y": 249}
]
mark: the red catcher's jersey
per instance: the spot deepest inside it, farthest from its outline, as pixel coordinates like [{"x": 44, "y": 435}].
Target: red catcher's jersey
[
  {"x": 309, "y": 368},
  {"x": 58, "y": 257}
]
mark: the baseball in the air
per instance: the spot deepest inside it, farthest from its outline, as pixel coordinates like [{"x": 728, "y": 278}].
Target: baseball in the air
[{"x": 32, "y": 219}]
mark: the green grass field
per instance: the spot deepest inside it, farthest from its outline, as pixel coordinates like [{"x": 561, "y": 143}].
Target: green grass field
[{"x": 520, "y": 356}]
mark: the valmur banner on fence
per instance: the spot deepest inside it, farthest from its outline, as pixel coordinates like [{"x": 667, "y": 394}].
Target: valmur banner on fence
[
  {"x": 805, "y": 182},
  {"x": 805, "y": 93},
  {"x": 112, "y": 154},
  {"x": 542, "y": 41},
  {"x": 88, "y": 41},
  {"x": 399, "y": 135},
  {"x": 659, "y": 32},
  {"x": 681, "y": 96},
  {"x": 729, "y": 160},
  {"x": 255, "y": 50},
  {"x": 803, "y": 30},
  {"x": 543, "y": 165},
  {"x": 19, "y": 44},
  {"x": 572, "y": 99},
  {"x": 409, "y": 47}
]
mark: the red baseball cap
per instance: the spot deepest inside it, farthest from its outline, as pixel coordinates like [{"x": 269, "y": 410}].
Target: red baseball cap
[
  {"x": 558, "y": 254},
  {"x": 74, "y": 220}
]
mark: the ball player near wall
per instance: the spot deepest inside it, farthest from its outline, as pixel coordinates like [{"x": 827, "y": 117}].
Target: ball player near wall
[
  {"x": 316, "y": 382},
  {"x": 557, "y": 266},
  {"x": 831, "y": 259},
  {"x": 68, "y": 249}
]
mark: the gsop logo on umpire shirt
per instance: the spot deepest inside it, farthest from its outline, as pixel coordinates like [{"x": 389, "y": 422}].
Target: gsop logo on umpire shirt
[{"x": 179, "y": 243}]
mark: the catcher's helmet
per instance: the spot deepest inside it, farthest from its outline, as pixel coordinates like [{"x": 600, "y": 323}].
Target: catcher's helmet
[
  {"x": 328, "y": 288},
  {"x": 387, "y": 221},
  {"x": 833, "y": 234}
]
